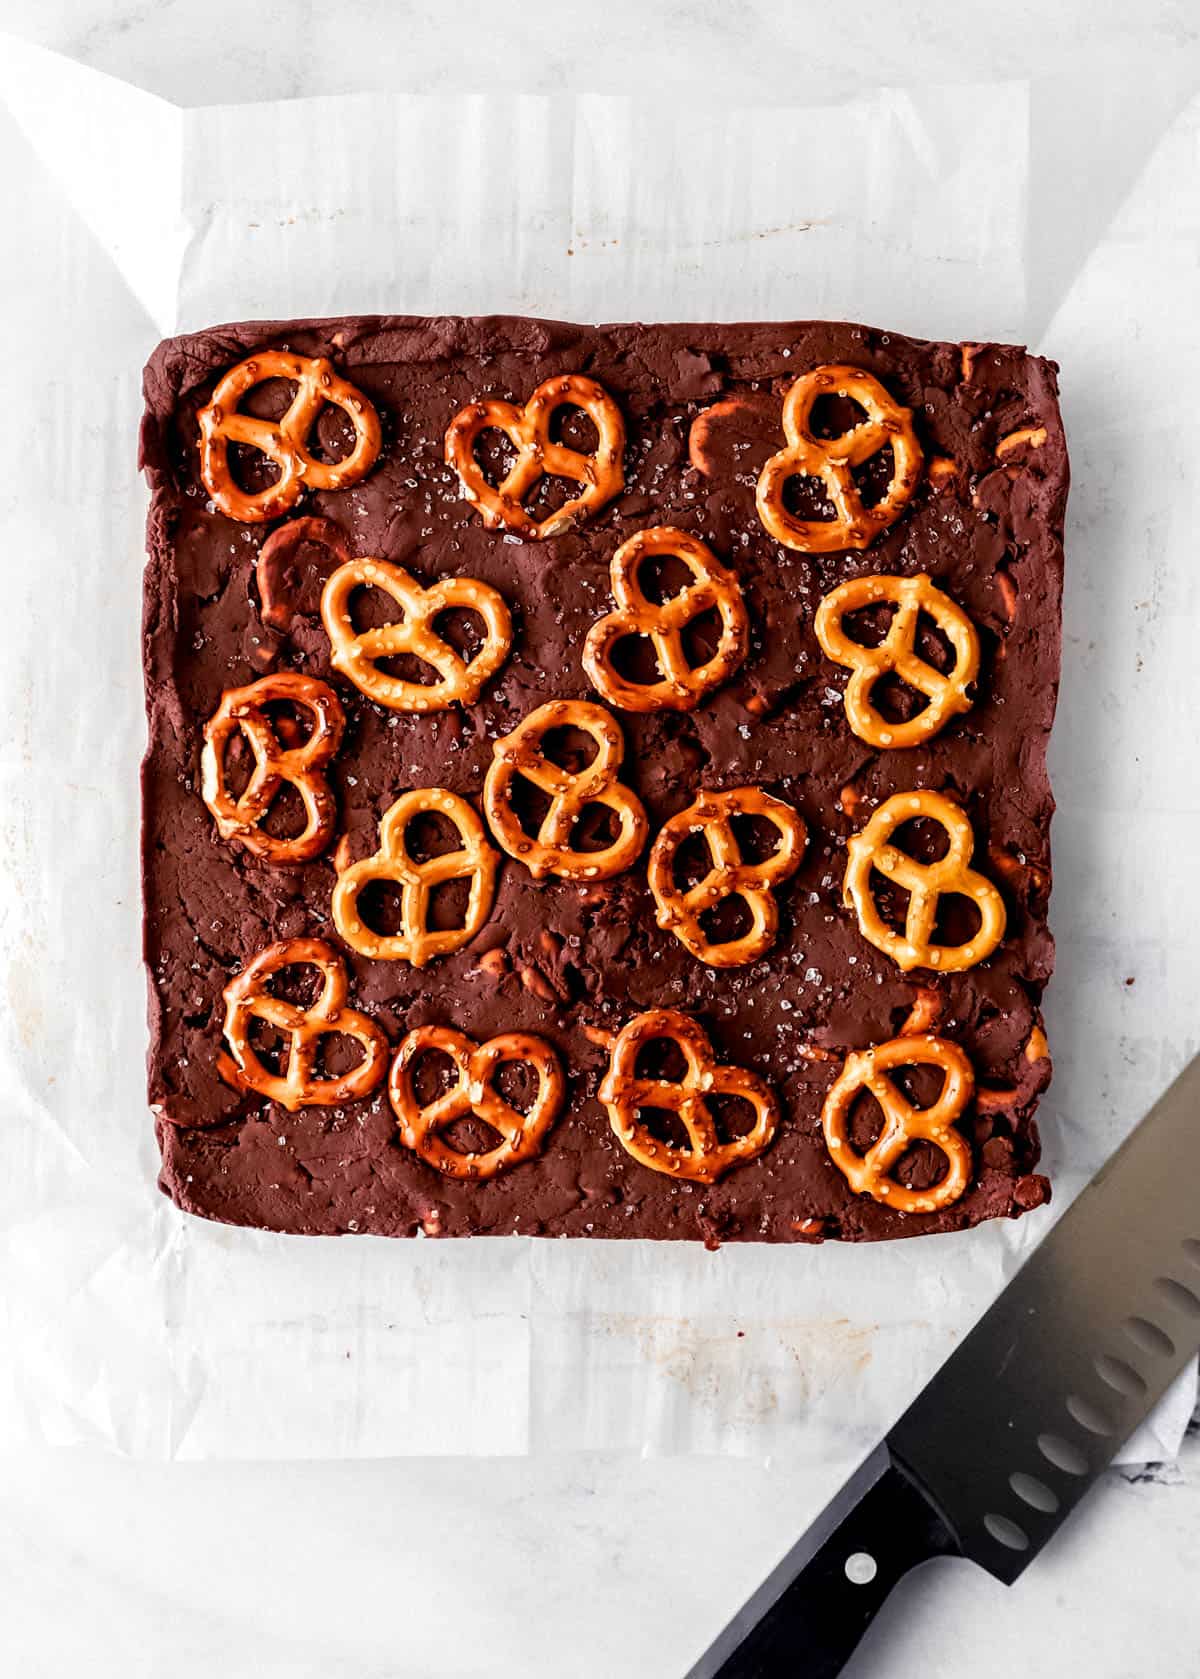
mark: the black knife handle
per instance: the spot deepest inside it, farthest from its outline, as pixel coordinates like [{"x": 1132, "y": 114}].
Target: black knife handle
[{"x": 814, "y": 1627}]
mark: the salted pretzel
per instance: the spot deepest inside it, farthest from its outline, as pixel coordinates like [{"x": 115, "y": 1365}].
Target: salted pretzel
[
  {"x": 925, "y": 883},
  {"x": 833, "y": 459},
  {"x": 903, "y": 1124},
  {"x": 550, "y": 852},
  {"x": 679, "y": 910},
  {"x": 681, "y": 686},
  {"x": 248, "y": 998},
  {"x": 623, "y": 1092},
  {"x": 240, "y": 818},
  {"x": 355, "y": 653},
  {"x": 474, "y": 860},
  {"x": 422, "y": 1129},
  {"x": 946, "y": 694},
  {"x": 283, "y": 441},
  {"x": 601, "y": 473}
]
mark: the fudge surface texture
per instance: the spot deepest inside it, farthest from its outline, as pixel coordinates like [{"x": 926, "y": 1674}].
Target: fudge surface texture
[{"x": 567, "y": 960}]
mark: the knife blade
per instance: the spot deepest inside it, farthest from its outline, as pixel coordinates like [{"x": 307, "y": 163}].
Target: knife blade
[{"x": 1022, "y": 1419}]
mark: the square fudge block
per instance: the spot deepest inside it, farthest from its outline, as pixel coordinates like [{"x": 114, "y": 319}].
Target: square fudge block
[{"x": 961, "y": 478}]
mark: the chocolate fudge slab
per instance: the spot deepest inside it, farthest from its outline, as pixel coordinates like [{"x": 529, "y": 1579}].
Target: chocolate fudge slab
[{"x": 573, "y": 962}]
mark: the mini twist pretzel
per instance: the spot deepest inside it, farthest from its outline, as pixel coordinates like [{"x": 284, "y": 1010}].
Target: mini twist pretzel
[
  {"x": 924, "y": 882},
  {"x": 474, "y": 1092},
  {"x": 247, "y": 998},
  {"x": 832, "y": 460},
  {"x": 283, "y": 441},
  {"x": 550, "y": 852},
  {"x": 623, "y": 1092},
  {"x": 903, "y": 1125},
  {"x": 528, "y": 429},
  {"x": 240, "y": 818},
  {"x": 681, "y": 686},
  {"x": 355, "y": 653},
  {"x": 679, "y": 911},
  {"x": 475, "y": 860},
  {"x": 911, "y": 596}
]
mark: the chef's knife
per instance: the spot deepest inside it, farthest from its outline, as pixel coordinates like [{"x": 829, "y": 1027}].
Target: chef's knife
[{"x": 1019, "y": 1422}]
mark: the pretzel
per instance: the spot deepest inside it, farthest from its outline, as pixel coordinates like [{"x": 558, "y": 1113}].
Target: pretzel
[
  {"x": 927, "y": 1009},
  {"x": 1024, "y": 877},
  {"x": 946, "y": 694},
  {"x": 1031, "y": 437},
  {"x": 283, "y": 441},
  {"x": 623, "y": 1092},
  {"x": 924, "y": 882},
  {"x": 903, "y": 1125},
  {"x": 475, "y": 860},
  {"x": 681, "y": 686},
  {"x": 993, "y": 1100},
  {"x": 680, "y": 911},
  {"x": 276, "y": 567},
  {"x": 849, "y": 798},
  {"x": 519, "y": 754},
  {"x": 355, "y": 653},
  {"x": 274, "y": 764},
  {"x": 528, "y": 430},
  {"x": 247, "y": 998},
  {"x": 832, "y": 459},
  {"x": 474, "y": 1092},
  {"x": 701, "y": 453},
  {"x": 941, "y": 470}
]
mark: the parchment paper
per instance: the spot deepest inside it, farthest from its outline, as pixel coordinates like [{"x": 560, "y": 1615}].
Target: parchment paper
[{"x": 128, "y": 1324}]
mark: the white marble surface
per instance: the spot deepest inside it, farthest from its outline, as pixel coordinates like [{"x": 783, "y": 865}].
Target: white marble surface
[
  {"x": 198, "y": 52},
  {"x": 589, "y": 1566},
  {"x": 578, "y": 1568}
]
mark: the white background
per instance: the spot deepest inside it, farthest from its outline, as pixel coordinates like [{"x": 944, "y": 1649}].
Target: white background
[{"x": 588, "y": 1565}]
